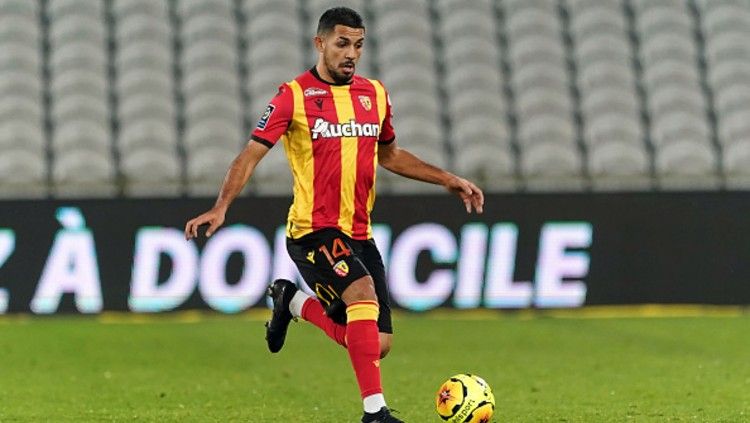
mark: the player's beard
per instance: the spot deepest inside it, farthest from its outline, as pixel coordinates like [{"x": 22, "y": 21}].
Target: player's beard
[{"x": 336, "y": 73}]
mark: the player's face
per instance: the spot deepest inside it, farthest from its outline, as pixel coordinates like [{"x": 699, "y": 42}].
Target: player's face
[{"x": 341, "y": 49}]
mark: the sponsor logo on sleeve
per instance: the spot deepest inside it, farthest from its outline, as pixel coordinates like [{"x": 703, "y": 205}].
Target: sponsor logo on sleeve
[{"x": 266, "y": 116}]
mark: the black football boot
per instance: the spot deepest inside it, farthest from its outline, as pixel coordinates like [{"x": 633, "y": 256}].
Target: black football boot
[
  {"x": 281, "y": 292},
  {"x": 382, "y": 416}
]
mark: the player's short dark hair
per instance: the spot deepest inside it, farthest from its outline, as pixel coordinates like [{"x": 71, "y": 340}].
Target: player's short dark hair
[{"x": 339, "y": 16}]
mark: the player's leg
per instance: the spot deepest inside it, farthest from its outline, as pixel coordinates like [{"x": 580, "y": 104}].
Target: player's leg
[
  {"x": 327, "y": 312},
  {"x": 374, "y": 263}
]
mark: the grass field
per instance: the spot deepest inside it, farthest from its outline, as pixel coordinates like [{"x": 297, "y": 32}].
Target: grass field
[{"x": 217, "y": 369}]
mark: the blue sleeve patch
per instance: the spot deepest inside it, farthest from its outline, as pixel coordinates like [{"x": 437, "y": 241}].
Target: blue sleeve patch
[{"x": 266, "y": 116}]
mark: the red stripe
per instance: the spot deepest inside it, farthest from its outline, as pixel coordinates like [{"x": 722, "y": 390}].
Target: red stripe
[
  {"x": 327, "y": 163},
  {"x": 365, "y": 157}
]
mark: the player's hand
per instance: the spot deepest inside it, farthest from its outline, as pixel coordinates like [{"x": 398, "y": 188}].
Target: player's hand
[
  {"x": 213, "y": 218},
  {"x": 471, "y": 195}
]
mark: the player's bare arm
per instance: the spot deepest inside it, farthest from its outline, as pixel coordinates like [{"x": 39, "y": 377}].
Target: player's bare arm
[
  {"x": 239, "y": 173},
  {"x": 404, "y": 163}
]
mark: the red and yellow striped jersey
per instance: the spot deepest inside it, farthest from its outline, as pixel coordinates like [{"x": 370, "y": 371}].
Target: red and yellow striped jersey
[{"x": 331, "y": 135}]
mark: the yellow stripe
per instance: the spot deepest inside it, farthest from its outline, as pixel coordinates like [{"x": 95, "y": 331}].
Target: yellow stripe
[
  {"x": 362, "y": 311},
  {"x": 382, "y": 100},
  {"x": 298, "y": 146},
  {"x": 345, "y": 112}
]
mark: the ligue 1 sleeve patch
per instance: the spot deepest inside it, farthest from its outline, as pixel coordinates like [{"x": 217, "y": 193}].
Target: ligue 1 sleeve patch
[{"x": 266, "y": 116}]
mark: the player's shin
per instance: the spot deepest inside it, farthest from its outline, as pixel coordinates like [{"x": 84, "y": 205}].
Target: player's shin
[
  {"x": 313, "y": 312},
  {"x": 363, "y": 344}
]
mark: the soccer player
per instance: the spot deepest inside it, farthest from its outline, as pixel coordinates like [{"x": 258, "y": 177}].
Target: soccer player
[{"x": 336, "y": 128}]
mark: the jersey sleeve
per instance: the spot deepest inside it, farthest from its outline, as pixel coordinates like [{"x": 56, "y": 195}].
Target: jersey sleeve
[
  {"x": 387, "y": 134},
  {"x": 276, "y": 118}
]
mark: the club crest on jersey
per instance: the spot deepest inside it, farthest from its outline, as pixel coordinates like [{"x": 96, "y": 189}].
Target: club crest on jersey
[
  {"x": 365, "y": 101},
  {"x": 266, "y": 115},
  {"x": 313, "y": 91},
  {"x": 324, "y": 129},
  {"x": 341, "y": 268}
]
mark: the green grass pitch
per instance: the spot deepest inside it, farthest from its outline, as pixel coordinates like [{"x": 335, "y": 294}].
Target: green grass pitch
[{"x": 217, "y": 369}]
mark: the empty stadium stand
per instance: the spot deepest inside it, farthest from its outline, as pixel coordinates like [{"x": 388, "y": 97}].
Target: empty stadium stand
[{"x": 139, "y": 98}]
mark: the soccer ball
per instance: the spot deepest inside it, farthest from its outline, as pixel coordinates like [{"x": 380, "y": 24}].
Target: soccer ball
[{"x": 465, "y": 398}]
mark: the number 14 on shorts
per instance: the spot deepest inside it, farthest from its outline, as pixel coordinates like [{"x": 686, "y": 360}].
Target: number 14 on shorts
[{"x": 338, "y": 249}]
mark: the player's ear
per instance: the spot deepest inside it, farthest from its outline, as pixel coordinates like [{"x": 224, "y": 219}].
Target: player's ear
[{"x": 318, "y": 41}]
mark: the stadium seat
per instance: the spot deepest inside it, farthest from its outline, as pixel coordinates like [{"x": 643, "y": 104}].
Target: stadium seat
[
  {"x": 149, "y": 135},
  {"x": 667, "y": 99},
  {"x": 20, "y": 83},
  {"x": 57, "y": 9},
  {"x": 480, "y": 130},
  {"x": 210, "y": 81},
  {"x": 668, "y": 46},
  {"x": 476, "y": 103},
  {"x": 259, "y": 7},
  {"x": 727, "y": 76},
  {"x": 209, "y": 54},
  {"x": 20, "y": 58},
  {"x": 533, "y": 76},
  {"x": 675, "y": 127},
  {"x": 686, "y": 165},
  {"x": 482, "y": 24},
  {"x": 83, "y": 173},
  {"x": 551, "y": 166},
  {"x": 145, "y": 56},
  {"x": 20, "y": 30},
  {"x": 77, "y": 28},
  {"x": 734, "y": 127},
  {"x": 604, "y": 75},
  {"x": 213, "y": 106},
  {"x": 266, "y": 26},
  {"x": 79, "y": 56},
  {"x": 732, "y": 100},
  {"x": 151, "y": 173},
  {"x": 272, "y": 176},
  {"x": 145, "y": 81},
  {"x": 614, "y": 127},
  {"x": 15, "y": 135},
  {"x": 218, "y": 133},
  {"x": 140, "y": 8},
  {"x": 540, "y": 102},
  {"x": 76, "y": 107},
  {"x": 144, "y": 28},
  {"x": 191, "y": 8},
  {"x": 536, "y": 49},
  {"x": 546, "y": 129},
  {"x": 209, "y": 27},
  {"x": 23, "y": 174},
  {"x": 661, "y": 18},
  {"x": 616, "y": 166},
  {"x": 82, "y": 135},
  {"x": 532, "y": 22},
  {"x": 19, "y": 8},
  {"x": 458, "y": 81},
  {"x": 206, "y": 169},
  {"x": 736, "y": 164},
  {"x": 82, "y": 82},
  {"x": 468, "y": 51},
  {"x": 490, "y": 166}
]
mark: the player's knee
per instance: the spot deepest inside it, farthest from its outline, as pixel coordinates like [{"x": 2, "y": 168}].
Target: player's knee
[{"x": 363, "y": 289}]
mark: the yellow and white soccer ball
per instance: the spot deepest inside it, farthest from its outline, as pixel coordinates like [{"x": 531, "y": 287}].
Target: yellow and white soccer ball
[{"x": 465, "y": 398}]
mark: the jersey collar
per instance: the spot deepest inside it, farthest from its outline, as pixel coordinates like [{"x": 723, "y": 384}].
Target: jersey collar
[{"x": 315, "y": 73}]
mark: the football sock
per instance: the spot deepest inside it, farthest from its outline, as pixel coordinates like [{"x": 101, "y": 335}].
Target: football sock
[
  {"x": 374, "y": 403},
  {"x": 313, "y": 312},
  {"x": 363, "y": 344},
  {"x": 297, "y": 302}
]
